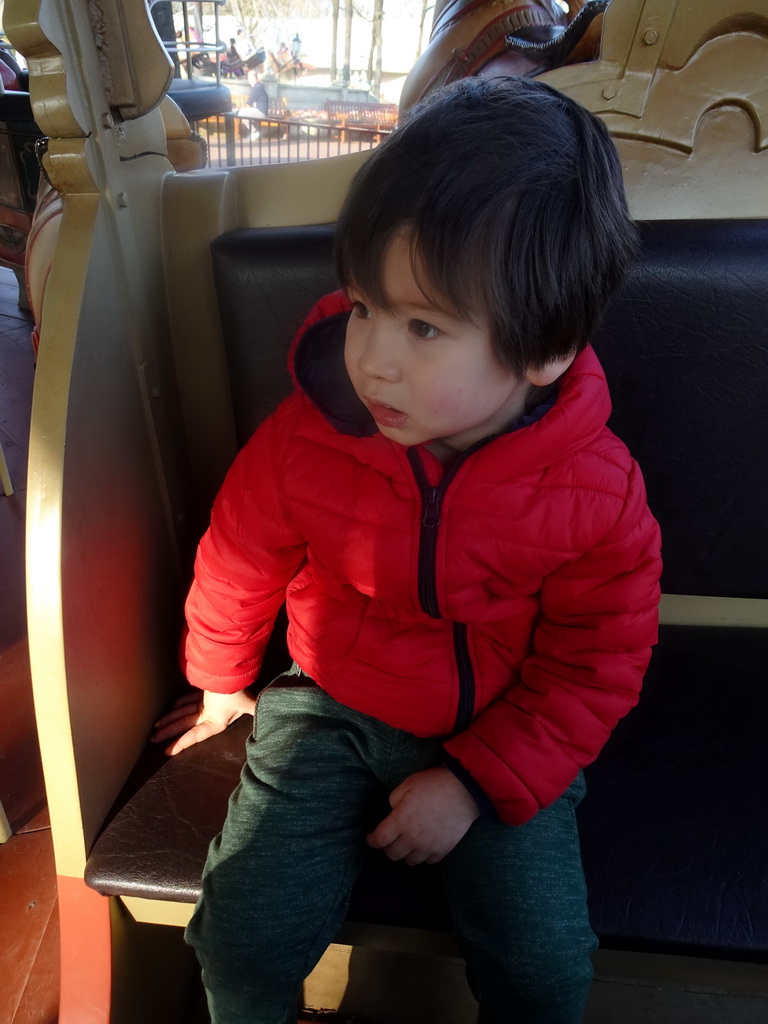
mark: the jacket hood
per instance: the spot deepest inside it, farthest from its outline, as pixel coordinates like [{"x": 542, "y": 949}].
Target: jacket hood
[
  {"x": 319, "y": 371},
  {"x": 316, "y": 361}
]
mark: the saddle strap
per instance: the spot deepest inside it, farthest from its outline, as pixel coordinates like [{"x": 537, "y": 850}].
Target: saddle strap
[{"x": 554, "y": 51}]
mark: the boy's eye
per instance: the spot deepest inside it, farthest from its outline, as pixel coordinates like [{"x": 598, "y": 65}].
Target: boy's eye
[
  {"x": 422, "y": 329},
  {"x": 361, "y": 310}
]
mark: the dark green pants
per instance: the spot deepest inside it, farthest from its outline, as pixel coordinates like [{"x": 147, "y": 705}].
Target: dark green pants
[{"x": 277, "y": 881}]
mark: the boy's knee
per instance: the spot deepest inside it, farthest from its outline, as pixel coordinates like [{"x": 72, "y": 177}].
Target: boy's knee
[
  {"x": 562, "y": 961},
  {"x": 562, "y": 969},
  {"x": 223, "y": 951},
  {"x": 253, "y": 969},
  {"x": 266, "y": 955}
]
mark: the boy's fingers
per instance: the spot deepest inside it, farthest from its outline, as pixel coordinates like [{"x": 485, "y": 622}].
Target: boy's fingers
[
  {"x": 396, "y": 844},
  {"x": 394, "y": 850},
  {"x": 399, "y": 844},
  {"x": 386, "y": 832},
  {"x": 184, "y": 706},
  {"x": 403, "y": 849},
  {"x": 195, "y": 735},
  {"x": 174, "y": 724},
  {"x": 399, "y": 793},
  {"x": 417, "y": 857},
  {"x": 193, "y": 718},
  {"x": 178, "y": 715},
  {"x": 374, "y": 840},
  {"x": 172, "y": 729}
]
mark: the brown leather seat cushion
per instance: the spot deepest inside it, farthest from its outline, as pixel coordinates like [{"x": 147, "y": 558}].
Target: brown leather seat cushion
[{"x": 155, "y": 846}]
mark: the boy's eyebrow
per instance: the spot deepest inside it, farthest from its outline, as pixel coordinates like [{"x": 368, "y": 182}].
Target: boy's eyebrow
[
  {"x": 446, "y": 312},
  {"x": 429, "y": 307},
  {"x": 390, "y": 302},
  {"x": 425, "y": 304},
  {"x": 431, "y": 312}
]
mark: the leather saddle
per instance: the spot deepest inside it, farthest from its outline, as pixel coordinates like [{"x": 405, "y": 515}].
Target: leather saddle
[{"x": 469, "y": 35}]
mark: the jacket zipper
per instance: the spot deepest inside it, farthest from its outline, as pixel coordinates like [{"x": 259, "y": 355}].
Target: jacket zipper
[
  {"x": 466, "y": 704},
  {"x": 432, "y": 498}
]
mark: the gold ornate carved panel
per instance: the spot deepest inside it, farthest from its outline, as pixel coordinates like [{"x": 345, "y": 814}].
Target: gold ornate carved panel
[
  {"x": 103, "y": 505},
  {"x": 683, "y": 87}
]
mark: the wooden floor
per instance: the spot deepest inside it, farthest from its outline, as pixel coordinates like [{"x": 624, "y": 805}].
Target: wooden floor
[{"x": 29, "y": 958}]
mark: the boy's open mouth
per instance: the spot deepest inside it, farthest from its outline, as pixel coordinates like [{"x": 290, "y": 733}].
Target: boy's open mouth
[{"x": 385, "y": 415}]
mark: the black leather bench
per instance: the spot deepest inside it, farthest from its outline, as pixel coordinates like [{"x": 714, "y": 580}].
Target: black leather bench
[{"x": 675, "y": 845}]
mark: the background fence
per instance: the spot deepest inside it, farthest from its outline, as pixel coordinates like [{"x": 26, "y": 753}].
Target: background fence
[{"x": 233, "y": 141}]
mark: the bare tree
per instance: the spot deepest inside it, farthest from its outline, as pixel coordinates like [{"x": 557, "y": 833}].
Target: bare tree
[
  {"x": 247, "y": 14},
  {"x": 334, "y": 41},
  {"x": 348, "y": 12},
  {"x": 374, "y": 56},
  {"x": 251, "y": 13},
  {"x": 425, "y": 6}
]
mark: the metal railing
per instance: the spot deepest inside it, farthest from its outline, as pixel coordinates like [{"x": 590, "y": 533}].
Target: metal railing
[
  {"x": 234, "y": 141},
  {"x": 196, "y": 56}
]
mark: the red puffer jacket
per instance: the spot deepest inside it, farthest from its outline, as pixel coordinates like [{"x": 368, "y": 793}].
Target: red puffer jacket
[{"x": 508, "y": 603}]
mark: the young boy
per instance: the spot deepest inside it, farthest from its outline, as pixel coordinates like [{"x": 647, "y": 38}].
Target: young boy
[{"x": 468, "y": 561}]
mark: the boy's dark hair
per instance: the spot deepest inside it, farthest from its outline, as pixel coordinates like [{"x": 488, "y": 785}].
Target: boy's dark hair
[{"x": 514, "y": 198}]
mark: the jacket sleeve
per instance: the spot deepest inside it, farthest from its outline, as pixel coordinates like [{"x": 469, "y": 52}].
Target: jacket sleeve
[
  {"x": 590, "y": 649},
  {"x": 244, "y": 563}
]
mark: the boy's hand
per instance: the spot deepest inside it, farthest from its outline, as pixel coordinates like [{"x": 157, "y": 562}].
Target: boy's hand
[
  {"x": 431, "y": 811},
  {"x": 200, "y": 714}
]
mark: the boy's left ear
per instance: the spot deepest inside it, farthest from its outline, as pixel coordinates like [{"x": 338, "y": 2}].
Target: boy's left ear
[{"x": 549, "y": 373}]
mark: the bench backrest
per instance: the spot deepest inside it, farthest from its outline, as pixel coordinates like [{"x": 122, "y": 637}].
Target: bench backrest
[{"x": 685, "y": 348}]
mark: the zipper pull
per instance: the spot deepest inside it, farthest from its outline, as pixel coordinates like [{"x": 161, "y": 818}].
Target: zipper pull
[{"x": 431, "y": 518}]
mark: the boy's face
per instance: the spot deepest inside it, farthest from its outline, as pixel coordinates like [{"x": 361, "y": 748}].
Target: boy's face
[{"x": 425, "y": 376}]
